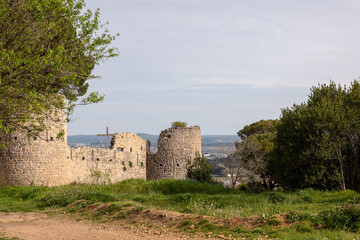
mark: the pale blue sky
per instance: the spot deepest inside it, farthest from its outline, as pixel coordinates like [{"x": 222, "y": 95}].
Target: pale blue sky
[{"x": 219, "y": 64}]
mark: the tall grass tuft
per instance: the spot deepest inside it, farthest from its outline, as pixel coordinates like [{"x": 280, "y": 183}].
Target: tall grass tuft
[
  {"x": 171, "y": 186},
  {"x": 64, "y": 195}
]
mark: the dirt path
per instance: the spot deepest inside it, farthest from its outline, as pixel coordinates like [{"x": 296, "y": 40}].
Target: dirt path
[{"x": 40, "y": 226}]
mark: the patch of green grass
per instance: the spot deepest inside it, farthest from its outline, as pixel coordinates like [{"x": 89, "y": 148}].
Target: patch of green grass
[
  {"x": 121, "y": 215},
  {"x": 300, "y": 233},
  {"x": 297, "y": 216},
  {"x": 335, "y": 213},
  {"x": 109, "y": 210},
  {"x": 77, "y": 206},
  {"x": 208, "y": 227},
  {"x": 138, "y": 209},
  {"x": 4, "y": 237},
  {"x": 276, "y": 197},
  {"x": 344, "y": 217},
  {"x": 185, "y": 224},
  {"x": 273, "y": 222},
  {"x": 64, "y": 195},
  {"x": 202, "y": 222},
  {"x": 302, "y": 228}
]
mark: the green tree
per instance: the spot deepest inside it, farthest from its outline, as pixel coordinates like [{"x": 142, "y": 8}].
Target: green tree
[
  {"x": 199, "y": 170},
  {"x": 48, "y": 49},
  {"x": 178, "y": 124},
  {"x": 255, "y": 151},
  {"x": 259, "y": 127},
  {"x": 318, "y": 142}
]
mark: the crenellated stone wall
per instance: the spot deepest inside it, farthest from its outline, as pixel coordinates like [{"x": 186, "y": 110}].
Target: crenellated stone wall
[
  {"x": 124, "y": 160},
  {"x": 47, "y": 160},
  {"x": 175, "y": 147}
]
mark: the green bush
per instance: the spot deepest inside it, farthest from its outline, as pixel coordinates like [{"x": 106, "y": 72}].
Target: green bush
[
  {"x": 243, "y": 187},
  {"x": 255, "y": 187},
  {"x": 308, "y": 199},
  {"x": 181, "y": 198},
  {"x": 296, "y": 216},
  {"x": 344, "y": 217},
  {"x": 178, "y": 124},
  {"x": 275, "y": 197},
  {"x": 199, "y": 170}
]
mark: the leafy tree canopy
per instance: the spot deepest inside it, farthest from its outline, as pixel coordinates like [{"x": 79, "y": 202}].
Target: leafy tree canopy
[
  {"x": 48, "y": 49},
  {"x": 318, "y": 142},
  {"x": 256, "y": 148},
  {"x": 260, "y": 127}
]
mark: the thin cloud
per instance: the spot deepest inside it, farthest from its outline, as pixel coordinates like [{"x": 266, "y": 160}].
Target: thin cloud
[{"x": 243, "y": 59}]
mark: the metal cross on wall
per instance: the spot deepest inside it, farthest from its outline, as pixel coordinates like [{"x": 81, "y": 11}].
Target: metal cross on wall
[{"x": 107, "y": 136}]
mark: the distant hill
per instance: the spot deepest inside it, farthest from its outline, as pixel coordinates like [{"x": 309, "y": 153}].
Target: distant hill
[
  {"x": 100, "y": 142},
  {"x": 218, "y": 140}
]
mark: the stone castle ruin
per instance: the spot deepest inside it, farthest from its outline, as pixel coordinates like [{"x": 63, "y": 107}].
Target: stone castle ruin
[
  {"x": 175, "y": 147},
  {"x": 46, "y": 160}
]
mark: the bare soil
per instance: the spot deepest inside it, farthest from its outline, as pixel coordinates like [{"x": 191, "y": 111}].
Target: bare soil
[
  {"x": 40, "y": 226},
  {"x": 127, "y": 223}
]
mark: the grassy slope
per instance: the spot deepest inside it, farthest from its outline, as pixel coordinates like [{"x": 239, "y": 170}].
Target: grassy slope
[{"x": 196, "y": 198}]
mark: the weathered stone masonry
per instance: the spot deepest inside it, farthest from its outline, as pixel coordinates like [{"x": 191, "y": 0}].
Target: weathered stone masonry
[
  {"x": 40, "y": 160},
  {"x": 49, "y": 161},
  {"x": 124, "y": 160},
  {"x": 175, "y": 147}
]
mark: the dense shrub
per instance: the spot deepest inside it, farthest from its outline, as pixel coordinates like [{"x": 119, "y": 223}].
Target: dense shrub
[
  {"x": 275, "y": 197},
  {"x": 297, "y": 216},
  {"x": 255, "y": 187},
  {"x": 243, "y": 187},
  {"x": 199, "y": 170},
  {"x": 344, "y": 217},
  {"x": 178, "y": 124}
]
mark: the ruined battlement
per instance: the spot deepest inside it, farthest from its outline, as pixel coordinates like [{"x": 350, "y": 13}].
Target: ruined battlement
[
  {"x": 47, "y": 160},
  {"x": 176, "y": 146},
  {"x": 125, "y": 159},
  {"x": 41, "y": 160}
]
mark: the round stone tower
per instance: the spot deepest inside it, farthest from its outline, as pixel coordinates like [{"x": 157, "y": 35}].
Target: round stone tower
[
  {"x": 176, "y": 146},
  {"x": 42, "y": 160}
]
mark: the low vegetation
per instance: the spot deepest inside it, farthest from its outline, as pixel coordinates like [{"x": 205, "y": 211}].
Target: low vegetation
[
  {"x": 178, "y": 124},
  {"x": 200, "y": 170},
  {"x": 302, "y": 214},
  {"x": 314, "y": 144}
]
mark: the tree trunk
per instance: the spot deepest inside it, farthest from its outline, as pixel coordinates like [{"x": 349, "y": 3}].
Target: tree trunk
[{"x": 341, "y": 170}]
